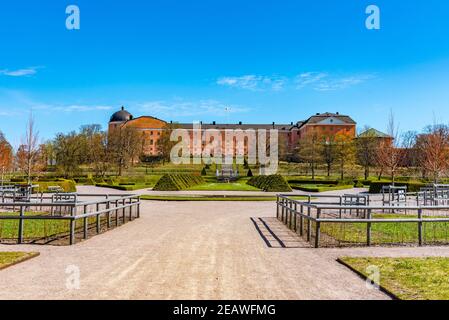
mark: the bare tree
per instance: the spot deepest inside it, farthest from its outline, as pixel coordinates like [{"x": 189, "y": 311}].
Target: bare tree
[
  {"x": 366, "y": 148},
  {"x": 125, "y": 145},
  {"x": 389, "y": 154},
  {"x": 97, "y": 149},
  {"x": 30, "y": 148},
  {"x": 5, "y": 156},
  {"x": 309, "y": 150},
  {"x": 164, "y": 144},
  {"x": 345, "y": 152},
  {"x": 70, "y": 151},
  {"x": 329, "y": 153},
  {"x": 434, "y": 151}
]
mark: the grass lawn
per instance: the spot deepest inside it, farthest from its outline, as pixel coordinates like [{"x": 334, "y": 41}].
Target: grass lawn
[
  {"x": 8, "y": 259},
  {"x": 232, "y": 186},
  {"x": 385, "y": 233},
  {"x": 213, "y": 198},
  {"x": 409, "y": 278},
  {"x": 37, "y": 229}
]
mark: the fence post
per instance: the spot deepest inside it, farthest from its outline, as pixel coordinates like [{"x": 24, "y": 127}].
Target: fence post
[
  {"x": 138, "y": 207},
  {"x": 318, "y": 229},
  {"x": 98, "y": 219},
  {"x": 368, "y": 229},
  {"x": 21, "y": 224},
  {"x": 295, "y": 215},
  {"x": 116, "y": 213},
  {"x": 86, "y": 223},
  {"x": 309, "y": 226},
  {"x": 277, "y": 207},
  {"x": 124, "y": 211},
  {"x": 282, "y": 209},
  {"x": 301, "y": 221},
  {"x": 341, "y": 203},
  {"x": 420, "y": 228},
  {"x": 108, "y": 215},
  {"x": 72, "y": 226},
  {"x": 130, "y": 209}
]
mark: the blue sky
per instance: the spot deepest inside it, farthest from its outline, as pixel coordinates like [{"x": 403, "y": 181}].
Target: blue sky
[{"x": 267, "y": 61}]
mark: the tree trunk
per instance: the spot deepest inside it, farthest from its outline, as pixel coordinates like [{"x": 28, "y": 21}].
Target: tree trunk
[
  {"x": 342, "y": 171},
  {"x": 328, "y": 169},
  {"x": 313, "y": 171},
  {"x": 366, "y": 172}
]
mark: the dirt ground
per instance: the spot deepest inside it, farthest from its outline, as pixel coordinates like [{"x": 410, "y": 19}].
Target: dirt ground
[{"x": 193, "y": 250}]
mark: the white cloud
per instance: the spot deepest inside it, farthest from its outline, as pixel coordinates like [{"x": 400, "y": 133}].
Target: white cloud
[
  {"x": 308, "y": 78},
  {"x": 181, "y": 108},
  {"x": 319, "y": 81},
  {"x": 20, "y": 72},
  {"x": 253, "y": 82},
  {"x": 80, "y": 108}
]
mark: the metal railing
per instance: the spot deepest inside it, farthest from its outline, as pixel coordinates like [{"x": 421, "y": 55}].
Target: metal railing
[
  {"x": 62, "y": 216},
  {"x": 342, "y": 224}
]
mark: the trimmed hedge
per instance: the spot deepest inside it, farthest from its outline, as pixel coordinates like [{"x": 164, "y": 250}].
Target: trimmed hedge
[
  {"x": 273, "y": 183},
  {"x": 177, "y": 182},
  {"x": 376, "y": 186}
]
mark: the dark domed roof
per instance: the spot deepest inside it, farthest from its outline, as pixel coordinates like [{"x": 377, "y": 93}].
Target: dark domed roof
[{"x": 121, "y": 116}]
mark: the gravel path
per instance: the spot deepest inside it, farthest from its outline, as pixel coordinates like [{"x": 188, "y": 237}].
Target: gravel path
[{"x": 192, "y": 250}]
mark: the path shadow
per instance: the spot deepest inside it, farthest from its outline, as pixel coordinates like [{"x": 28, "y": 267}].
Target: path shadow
[{"x": 276, "y": 235}]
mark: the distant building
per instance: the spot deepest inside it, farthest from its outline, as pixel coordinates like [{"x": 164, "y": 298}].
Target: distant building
[
  {"x": 325, "y": 124},
  {"x": 376, "y": 134}
]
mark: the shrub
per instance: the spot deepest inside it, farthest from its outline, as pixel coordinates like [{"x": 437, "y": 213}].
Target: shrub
[
  {"x": 177, "y": 182},
  {"x": 346, "y": 182},
  {"x": 250, "y": 173},
  {"x": 204, "y": 172},
  {"x": 358, "y": 184},
  {"x": 110, "y": 180},
  {"x": 99, "y": 180},
  {"x": 273, "y": 183}
]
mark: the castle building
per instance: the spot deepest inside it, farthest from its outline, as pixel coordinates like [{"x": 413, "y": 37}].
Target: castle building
[{"x": 324, "y": 124}]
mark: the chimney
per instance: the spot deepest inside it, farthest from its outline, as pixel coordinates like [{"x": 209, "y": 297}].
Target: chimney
[
  {"x": 240, "y": 123},
  {"x": 123, "y": 108},
  {"x": 291, "y": 123},
  {"x": 214, "y": 123},
  {"x": 337, "y": 113}
]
